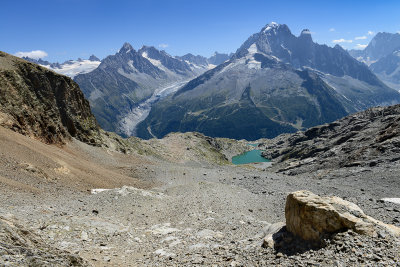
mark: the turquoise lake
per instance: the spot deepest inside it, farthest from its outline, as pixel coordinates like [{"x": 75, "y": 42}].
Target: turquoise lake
[{"x": 252, "y": 156}]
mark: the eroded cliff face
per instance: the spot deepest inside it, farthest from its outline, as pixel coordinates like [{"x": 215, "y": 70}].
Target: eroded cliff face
[{"x": 42, "y": 104}]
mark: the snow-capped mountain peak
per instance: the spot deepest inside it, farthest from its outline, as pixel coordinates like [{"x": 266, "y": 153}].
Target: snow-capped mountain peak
[
  {"x": 274, "y": 28},
  {"x": 270, "y": 26}
]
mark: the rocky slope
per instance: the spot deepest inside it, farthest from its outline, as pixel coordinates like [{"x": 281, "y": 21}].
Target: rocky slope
[
  {"x": 38, "y": 102},
  {"x": 274, "y": 83},
  {"x": 168, "y": 203},
  {"x": 368, "y": 138}
]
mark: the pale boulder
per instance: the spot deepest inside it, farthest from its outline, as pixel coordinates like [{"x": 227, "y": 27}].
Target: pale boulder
[{"x": 310, "y": 217}]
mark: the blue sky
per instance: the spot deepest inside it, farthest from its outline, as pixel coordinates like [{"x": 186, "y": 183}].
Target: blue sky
[{"x": 68, "y": 29}]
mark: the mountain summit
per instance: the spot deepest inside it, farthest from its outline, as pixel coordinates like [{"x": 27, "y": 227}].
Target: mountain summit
[{"x": 275, "y": 82}]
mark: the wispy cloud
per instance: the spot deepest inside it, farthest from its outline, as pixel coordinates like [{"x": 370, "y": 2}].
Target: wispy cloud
[
  {"x": 36, "y": 54},
  {"x": 332, "y": 29},
  {"x": 360, "y": 38},
  {"x": 163, "y": 45},
  {"x": 341, "y": 41},
  {"x": 370, "y": 33},
  {"x": 360, "y": 46}
]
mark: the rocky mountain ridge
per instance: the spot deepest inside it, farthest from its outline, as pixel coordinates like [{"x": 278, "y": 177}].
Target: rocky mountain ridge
[
  {"x": 38, "y": 102},
  {"x": 368, "y": 138}
]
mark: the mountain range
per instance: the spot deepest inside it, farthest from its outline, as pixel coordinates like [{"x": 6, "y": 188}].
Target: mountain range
[
  {"x": 125, "y": 85},
  {"x": 69, "y": 68},
  {"x": 214, "y": 60},
  {"x": 275, "y": 82},
  {"x": 383, "y": 57}
]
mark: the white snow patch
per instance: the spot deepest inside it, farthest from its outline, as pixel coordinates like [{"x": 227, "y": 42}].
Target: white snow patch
[
  {"x": 270, "y": 26},
  {"x": 254, "y": 64},
  {"x": 128, "y": 190},
  {"x": 98, "y": 190},
  {"x": 130, "y": 64},
  {"x": 253, "y": 49},
  {"x": 155, "y": 62},
  {"x": 75, "y": 67},
  {"x": 392, "y": 200}
]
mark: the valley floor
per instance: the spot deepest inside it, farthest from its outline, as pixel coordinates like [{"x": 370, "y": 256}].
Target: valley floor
[{"x": 172, "y": 210}]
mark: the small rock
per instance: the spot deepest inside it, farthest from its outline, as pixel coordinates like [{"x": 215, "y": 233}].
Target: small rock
[
  {"x": 381, "y": 234},
  {"x": 84, "y": 236}
]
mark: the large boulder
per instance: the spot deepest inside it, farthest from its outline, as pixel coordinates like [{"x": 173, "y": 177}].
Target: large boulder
[{"x": 312, "y": 217}]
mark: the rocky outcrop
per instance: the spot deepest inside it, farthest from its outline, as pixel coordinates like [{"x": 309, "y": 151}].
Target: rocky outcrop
[
  {"x": 37, "y": 102},
  {"x": 312, "y": 217},
  {"x": 368, "y": 138},
  {"x": 21, "y": 247}
]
